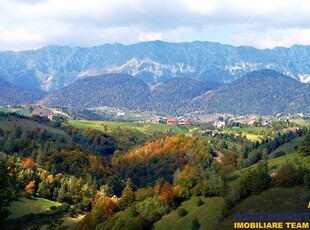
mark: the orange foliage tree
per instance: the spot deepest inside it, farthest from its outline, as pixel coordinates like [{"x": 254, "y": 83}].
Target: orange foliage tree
[
  {"x": 109, "y": 208},
  {"x": 166, "y": 194},
  {"x": 30, "y": 188}
]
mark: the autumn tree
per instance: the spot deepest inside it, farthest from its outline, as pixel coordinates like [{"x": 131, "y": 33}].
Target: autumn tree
[
  {"x": 229, "y": 162},
  {"x": 287, "y": 175},
  {"x": 109, "y": 208},
  {"x": 167, "y": 195},
  {"x": 30, "y": 188}
]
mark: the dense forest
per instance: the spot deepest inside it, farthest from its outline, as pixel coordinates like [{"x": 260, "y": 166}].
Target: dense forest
[
  {"x": 13, "y": 95},
  {"x": 115, "y": 90},
  {"x": 127, "y": 179},
  {"x": 258, "y": 92},
  {"x": 172, "y": 96}
]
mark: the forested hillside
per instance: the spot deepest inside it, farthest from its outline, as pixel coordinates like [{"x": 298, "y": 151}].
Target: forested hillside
[
  {"x": 13, "y": 95},
  {"x": 259, "y": 92},
  {"x": 174, "y": 95},
  {"x": 125, "y": 91},
  {"x": 115, "y": 90}
]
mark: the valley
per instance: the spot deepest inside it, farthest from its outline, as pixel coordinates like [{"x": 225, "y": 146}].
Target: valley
[
  {"x": 143, "y": 173},
  {"x": 143, "y": 143}
]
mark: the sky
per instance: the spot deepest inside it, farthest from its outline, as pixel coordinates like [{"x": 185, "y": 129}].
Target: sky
[{"x": 32, "y": 24}]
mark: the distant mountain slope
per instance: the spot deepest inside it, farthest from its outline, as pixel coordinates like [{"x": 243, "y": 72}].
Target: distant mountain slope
[
  {"x": 260, "y": 92},
  {"x": 13, "y": 95},
  {"x": 53, "y": 67},
  {"x": 122, "y": 90},
  {"x": 116, "y": 90},
  {"x": 175, "y": 94}
]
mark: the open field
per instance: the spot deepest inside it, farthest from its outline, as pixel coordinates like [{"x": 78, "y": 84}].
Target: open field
[
  {"x": 207, "y": 214},
  {"x": 252, "y": 133},
  {"x": 21, "y": 111},
  {"x": 26, "y": 206},
  {"x": 273, "y": 200},
  {"x": 70, "y": 222},
  {"x": 147, "y": 128}
]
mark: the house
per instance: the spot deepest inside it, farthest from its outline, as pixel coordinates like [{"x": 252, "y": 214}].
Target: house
[
  {"x": 273, "y": 174},
  {"x": 120, "y": 114},
  {"x": 50, "y": 116},
  {"x": 219, "y": 124},
  {"x": 171, "y": 121}
]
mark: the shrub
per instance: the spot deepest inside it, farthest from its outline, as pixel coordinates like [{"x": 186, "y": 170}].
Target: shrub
[
  {"x": 195, "y": 224},
  {"x": 287, "y": 175},
  {"x": 199, "y": 202},
  {"x": 53, "y": 208},
  {"x": 182, "y": 212}
]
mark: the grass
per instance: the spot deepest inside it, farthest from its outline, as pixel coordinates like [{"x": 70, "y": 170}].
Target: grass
[
  {"x": 70, "y": 222},
  {"x": 143, "y": 127},
  {"x": 298, "y": 158},
  {"x": 26, "y": 125},
  {"x": 207, "y": 214},
  {"x": 21, "y": 111},
  {"x": 251, "y": 132},
  {"x": 272, "y": 200},
  {"x": 288, "y": 147},
  {"x": 4, "y": 109},
  {"x": 26, "y": 206}
]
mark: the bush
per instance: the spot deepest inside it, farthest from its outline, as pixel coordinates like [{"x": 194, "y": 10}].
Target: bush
[
  {"x": 199, "y": 202},
  {"x": 287, "y": 175},
  {"x": 195, "y": 224},
  {"x": 280, "y": 153},
  {"x": 53, "y": 208},
  {"x": 182, "y": 212}
]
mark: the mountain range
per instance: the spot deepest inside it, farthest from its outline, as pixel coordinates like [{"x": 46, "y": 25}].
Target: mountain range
[
  {"x": 54, "y": 67},
  {"x": 262, "y": 92}
]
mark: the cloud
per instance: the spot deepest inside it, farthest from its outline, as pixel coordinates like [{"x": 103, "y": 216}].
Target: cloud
[
  {"x": 274, "y": 37},
  {"x": 34, "y": 23}
]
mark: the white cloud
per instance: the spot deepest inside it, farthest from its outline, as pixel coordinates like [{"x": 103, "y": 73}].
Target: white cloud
[
  {"x": 32, "y": 23},
  {"x": 274, "y": 37}
]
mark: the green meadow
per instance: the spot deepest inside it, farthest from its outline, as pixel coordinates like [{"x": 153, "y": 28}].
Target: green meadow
[
  {"x": 277, "y": 199},
  {"x": 147, "y": 128},
  {"x": 207, "y": 214},
  {"x": 26, "y": 206}
]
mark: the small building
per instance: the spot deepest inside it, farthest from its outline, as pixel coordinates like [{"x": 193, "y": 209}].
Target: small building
[
  {"x": 171, "y": 121},
  {"x": 273, "y": 174},
  {"x": 219, "y": 124},
  {"x": 120, "y": 114},
  {"x": 50, "y": 116}
]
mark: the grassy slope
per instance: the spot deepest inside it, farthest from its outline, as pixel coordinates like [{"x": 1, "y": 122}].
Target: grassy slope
[
  {"x": 26, "y": 206},
  {"x": 289, "y": 147},
  {"x": 21, "y": 111},
  {"x": 26, "y": 125},
  {"x": 207, "y": 215},
  {"x": 275, "y": 163},
  {"x": 273, "y": 200},
  {"x": 143, "y": 127}
]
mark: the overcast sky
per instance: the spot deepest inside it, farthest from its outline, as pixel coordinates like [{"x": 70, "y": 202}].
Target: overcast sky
[{"x": 31, "y": 24}]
